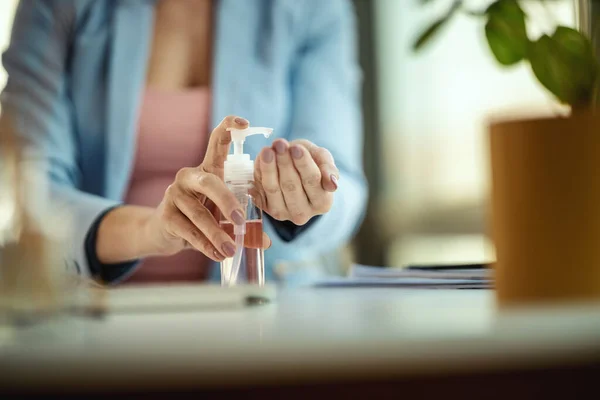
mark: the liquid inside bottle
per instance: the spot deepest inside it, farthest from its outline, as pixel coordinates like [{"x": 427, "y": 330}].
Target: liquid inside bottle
[{"x": 252, "y": 266}]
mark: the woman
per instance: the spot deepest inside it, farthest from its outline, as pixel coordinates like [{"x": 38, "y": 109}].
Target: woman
[{"x": 115, "y": 100}]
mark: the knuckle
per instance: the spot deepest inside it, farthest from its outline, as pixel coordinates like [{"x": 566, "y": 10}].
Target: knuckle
[
  {"x": 200, "y": 215},
  {"x": 277, "y": 214},
  {"x": 218, "y": 161},
  {"x": 312, "y": 180},
  {"x": 195, "y": 235},
  {"x": 289, "y": 186},
  {"x": 300, "y": 218},
  {"x": 224, "y": 140},
  {"x": 317, "y": 204},
  {"x": 182, "y": 174},
  {"x": 324, "y": 155},
  {"x": 271, "y": 189},
  {"x": 229, "y": 120},
  {"x": 201, "y": 242},
  {"x": 214, "y": 236},
  {"x": 206, "y": 179}
]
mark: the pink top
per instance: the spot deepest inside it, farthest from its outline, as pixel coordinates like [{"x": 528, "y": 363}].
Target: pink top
[{"x": 173, "y": 134}]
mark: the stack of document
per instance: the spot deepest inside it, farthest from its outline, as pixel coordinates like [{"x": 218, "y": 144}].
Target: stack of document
[{"x": 423, "y": 278}]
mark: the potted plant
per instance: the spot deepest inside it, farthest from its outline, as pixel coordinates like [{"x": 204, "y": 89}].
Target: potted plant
[{"x": 545, "y": 187}]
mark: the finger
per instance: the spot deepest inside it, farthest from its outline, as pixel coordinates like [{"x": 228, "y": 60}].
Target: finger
[
  {"x": 310, "y": 175},
  {"x": 330, "y": 175},
  {"x": 264, "y": 242},
  {"x": 329, "y": 172},
  {"x": 258, "y": 195},
  {"x": 203, "y": 219},
  {"x": 296, "y": 202},
  {"x": 270, "y": 185},
  {"x": 330, "y": 178},
  {"x": 267, "y": 242},
  {"x": 182, "y": 227},
  {"x": 193, "y": 180},
  {"x": 257, "y": 190},
  {"x": 218, "y": 144}
]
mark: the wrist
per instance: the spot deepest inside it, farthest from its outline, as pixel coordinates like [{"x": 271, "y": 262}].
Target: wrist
[
  {"x": 124, "y": 235},
  {"x": 153, "y": 240},
  {"x": 150, "y": 241}
]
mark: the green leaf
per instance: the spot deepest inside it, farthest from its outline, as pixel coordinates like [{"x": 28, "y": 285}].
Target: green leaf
[
  {"x": 426, "y": 36},
  {"x": 548, "y": 67},
  {"x": 575, "y": 46},
  {"x": 565, "y": 64},
  {"x": 506, "y": 7},
  {"x": 578, "y": 54},
  {"x": 506, "y": 32},
  {"x": 429, "y": 33}
]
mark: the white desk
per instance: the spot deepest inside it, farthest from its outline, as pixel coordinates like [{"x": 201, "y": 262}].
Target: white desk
[{"x": 309, "y": 335}]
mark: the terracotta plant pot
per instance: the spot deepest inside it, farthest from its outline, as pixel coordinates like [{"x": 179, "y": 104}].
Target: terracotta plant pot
[{"x": 545, "y": 209}]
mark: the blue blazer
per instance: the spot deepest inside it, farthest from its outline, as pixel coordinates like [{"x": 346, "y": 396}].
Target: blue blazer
[{"x": 77, "y": 68}]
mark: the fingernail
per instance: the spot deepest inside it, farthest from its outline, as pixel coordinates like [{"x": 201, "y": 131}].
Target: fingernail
[
  {"x": 228, "y": 249},
  {"x": 238, "y": 217},
  {"x": 296, "y": 152},
  {"x": 268, "y": 156},
  {"x": 241, "y": 121},
  {"x": 334, "y": 180},
  {"x": 280, "y": 147}
]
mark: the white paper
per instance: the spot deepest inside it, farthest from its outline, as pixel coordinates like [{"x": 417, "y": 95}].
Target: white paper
[
  {"x": 367, "y": 276},
  {"x": 365, "y": 271},
  {"x": 417, "y": 283}
]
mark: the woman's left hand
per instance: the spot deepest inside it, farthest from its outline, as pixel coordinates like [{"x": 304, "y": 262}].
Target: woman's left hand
[{"x": 297, "y": 179}]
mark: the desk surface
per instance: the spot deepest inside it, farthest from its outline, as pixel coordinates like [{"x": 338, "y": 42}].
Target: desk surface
[{"x": 308, "y": 334}]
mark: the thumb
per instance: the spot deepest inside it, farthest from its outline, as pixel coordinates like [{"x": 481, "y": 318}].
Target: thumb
[{"x": 218, "y": 144}]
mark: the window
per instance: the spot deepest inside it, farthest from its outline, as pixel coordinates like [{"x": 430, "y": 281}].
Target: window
[
  {"x": 7, "y": 10},
  {"x": 434, "y": 107}
]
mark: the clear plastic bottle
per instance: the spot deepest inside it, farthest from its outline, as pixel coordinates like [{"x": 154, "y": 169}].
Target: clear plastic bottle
[
  {"x": 247, "y": 266},
  {"x": 251, "y": 267}
]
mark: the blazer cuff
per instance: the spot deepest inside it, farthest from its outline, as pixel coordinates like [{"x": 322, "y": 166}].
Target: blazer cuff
[
  {"x": 287, "y": 230},
  {"x": 106, "y": 273}
]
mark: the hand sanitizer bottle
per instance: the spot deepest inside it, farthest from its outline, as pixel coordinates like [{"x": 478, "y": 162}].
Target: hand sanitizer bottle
[{"x": 247, "y": 265}]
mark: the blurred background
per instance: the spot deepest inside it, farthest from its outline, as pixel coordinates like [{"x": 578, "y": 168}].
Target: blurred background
[
  {"x": 426, "y": 121},
  {"x": 425, "y": 127}
]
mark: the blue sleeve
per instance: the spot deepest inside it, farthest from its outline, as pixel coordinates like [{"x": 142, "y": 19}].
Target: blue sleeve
[
  {"x": 37, "y": 100},
  {"x": 326, "y": 95}
]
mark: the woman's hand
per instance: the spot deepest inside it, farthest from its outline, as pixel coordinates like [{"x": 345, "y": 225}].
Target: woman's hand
[
  {"x": 297, "y": 180},
  {"x": 185, "y": 217}
]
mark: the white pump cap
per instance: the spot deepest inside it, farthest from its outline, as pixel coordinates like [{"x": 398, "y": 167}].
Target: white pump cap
[{"x": 239, "y": 166}]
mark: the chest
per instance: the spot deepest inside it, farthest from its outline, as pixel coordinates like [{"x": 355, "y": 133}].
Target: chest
[{"x": 180, "y": 47}]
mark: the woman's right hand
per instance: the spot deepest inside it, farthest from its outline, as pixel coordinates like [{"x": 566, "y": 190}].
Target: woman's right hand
[{"x": 185, "y": 218}]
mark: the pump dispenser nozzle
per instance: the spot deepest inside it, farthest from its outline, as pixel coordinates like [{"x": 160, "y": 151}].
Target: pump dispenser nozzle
[{"x": 239, "y": 166}]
